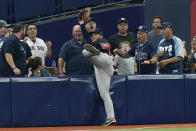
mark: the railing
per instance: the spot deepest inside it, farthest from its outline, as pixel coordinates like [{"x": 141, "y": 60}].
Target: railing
[{"x": 36, "y": 10}]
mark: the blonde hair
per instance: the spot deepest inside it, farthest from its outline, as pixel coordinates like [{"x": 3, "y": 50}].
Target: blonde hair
[{"x": 125, "y": 42}]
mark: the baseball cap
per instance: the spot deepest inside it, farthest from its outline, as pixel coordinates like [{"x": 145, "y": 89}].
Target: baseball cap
[
  {"x": 3, "y": 23},
  {"x": 122, "y": 20},
  {"x": 98, "y": 31},
  {"x": 90, "y": 20},
  {"x": 166, "y": 24},
  {"x": 142, "y": 28}
]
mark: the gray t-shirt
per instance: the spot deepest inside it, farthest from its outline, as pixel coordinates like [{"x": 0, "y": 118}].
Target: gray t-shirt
[
  {"x": 155, "y": 39},
  {"x": 125, "y": 66}
]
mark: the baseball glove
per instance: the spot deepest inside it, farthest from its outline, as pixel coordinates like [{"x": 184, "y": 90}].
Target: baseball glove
[{"x": 84, "y": 14}]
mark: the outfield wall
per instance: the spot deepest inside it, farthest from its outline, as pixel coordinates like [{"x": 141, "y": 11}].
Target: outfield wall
[{"x": 75, "y": 100}]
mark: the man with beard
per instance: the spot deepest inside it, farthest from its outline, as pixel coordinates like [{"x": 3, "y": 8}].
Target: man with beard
[
  {"x": 13, "y": 55},
  {"x": 122, "y": 35},
  {"x": 71, "y": 54},
  {"x": 38, "y": 46}
]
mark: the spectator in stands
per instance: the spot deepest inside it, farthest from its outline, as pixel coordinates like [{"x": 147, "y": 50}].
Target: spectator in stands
[
  {"x": 170, "y": 51},
  {"x": 13, "y": 55},
  {"x": 155, "y": 35},
  {"x": 122, "y": 35},
  {"x": 143, "y": 51},
  {"x": 71, "y": 54},
  {"x": 193, "y": 49},
  {"x": 38, "y": 46},
  {"x": 23, "y": 43},
  {"x": 3, "y": 30},
  {"x": 35, "y": 68},
  {"x": 125, "y": 66},
  {"x": 191, "y": 62}
]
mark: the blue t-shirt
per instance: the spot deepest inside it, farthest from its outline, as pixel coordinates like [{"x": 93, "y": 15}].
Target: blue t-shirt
[
  {"x": 13, "y": 46},
  {"x": 27, "y": 50},
  {"x": 155, "y": 39},
  {"x": 171, "y": 48},
  {"x": 76, "y": 63},
  {"x": 141, "y": 54}
]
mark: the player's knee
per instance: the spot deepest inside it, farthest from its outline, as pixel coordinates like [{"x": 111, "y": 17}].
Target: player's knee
[{"x": 86, "y": 53}]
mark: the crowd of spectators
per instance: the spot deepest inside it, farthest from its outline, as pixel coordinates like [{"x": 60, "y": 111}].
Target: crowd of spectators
[{"x": 157, "y": 51}]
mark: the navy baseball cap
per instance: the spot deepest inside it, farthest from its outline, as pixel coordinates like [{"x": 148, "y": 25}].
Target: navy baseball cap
[
  {"x": 142, "y": 28},
  {"x": 91, "y": 20},
  {"x": 121, "y": 20},
  {"x": 166, "y": 24},
  {"x": 97, "y": 31}
]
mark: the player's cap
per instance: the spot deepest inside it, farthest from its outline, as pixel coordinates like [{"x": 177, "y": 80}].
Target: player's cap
[
  {"x": 142, "y": 28},
  {"x": 97, "y": 31},
  {"x": 3, "y": 23},
  {"x": 121, "y": 20},
  {"x": 167, "y": 25},
  {"x": 90, "y": 20}
]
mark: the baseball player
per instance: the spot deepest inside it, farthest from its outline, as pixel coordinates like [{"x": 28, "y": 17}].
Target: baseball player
[
  {"x": 103, "y": 66},
  {"x": 97, "y": 54},
  {"x": 38, "y": 46}
]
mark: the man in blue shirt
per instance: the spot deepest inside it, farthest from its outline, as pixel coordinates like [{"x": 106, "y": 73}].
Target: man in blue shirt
[
  {"x": 143, "y": 50},
  {"x": 170, "y": 51},
  {"x": 155, "y": 35},
  {"x": 13, "y": 55},
  {"x": 71, "y": 54}
]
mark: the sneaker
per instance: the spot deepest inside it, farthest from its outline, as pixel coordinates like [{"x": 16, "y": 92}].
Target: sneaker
[
  {"x": 109, "y": 122},
  {"x": 91, "y": 49}
]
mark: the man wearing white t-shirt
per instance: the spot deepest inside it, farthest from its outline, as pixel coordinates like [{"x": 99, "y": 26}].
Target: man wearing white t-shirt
[{"x": 37, "y": 45}]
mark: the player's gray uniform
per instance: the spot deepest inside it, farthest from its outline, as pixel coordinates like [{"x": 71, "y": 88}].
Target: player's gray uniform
[{"x": 103, "y": 66}]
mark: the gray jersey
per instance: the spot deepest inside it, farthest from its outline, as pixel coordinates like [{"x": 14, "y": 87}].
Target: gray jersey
[{"x": 125, "y": 66}]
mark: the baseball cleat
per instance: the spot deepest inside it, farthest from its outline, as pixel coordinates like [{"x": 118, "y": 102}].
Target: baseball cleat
[
  {"x": 91, "y": 49},
  {"x": 109, "y": 122}
]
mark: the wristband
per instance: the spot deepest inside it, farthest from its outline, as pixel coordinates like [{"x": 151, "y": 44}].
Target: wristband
[
  {"x": 14, "y": 68},
  {"x": 60, "y": 73}
]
